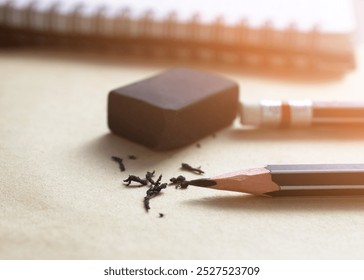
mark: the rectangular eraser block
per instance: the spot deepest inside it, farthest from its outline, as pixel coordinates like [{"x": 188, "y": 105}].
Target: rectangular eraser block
[{"x": 173, "y": 109}]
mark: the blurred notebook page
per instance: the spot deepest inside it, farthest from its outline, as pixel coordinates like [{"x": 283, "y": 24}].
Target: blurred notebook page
[{"x": 299, "y": 35}]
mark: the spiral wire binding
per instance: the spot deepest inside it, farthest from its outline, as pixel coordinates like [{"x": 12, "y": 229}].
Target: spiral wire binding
[{"x": 238, "y": 44}]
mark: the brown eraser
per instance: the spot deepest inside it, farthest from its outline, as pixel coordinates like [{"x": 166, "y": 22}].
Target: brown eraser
[{"x": 173, "y": 109}]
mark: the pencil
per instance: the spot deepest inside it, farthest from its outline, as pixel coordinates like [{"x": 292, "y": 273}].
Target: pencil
[
  {"x": 296, "y": 113},
  {"x": 291, "y": 180}
]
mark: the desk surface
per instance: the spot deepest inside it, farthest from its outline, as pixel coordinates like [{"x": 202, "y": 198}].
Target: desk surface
[{"x": 62, "y": 196}]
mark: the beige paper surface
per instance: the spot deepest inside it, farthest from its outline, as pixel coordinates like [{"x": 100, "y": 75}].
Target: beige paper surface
[{"x": 62, "y": 196}]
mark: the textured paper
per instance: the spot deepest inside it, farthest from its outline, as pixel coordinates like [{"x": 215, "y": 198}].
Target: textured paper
[{"x": 62, "y": 196}]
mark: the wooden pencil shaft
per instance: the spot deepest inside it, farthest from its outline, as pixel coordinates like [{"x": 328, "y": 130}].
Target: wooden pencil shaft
[
  {"x": 291, "y": 113},
  {"x": 317, "y": 174},
  {"x": 292, "y": 180},
  {"x": 318, "y": 192},
  {"x": 337, "y": 110}
]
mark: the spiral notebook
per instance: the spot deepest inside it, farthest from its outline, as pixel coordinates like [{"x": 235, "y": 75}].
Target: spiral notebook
[{"x": 299, "y": 35}]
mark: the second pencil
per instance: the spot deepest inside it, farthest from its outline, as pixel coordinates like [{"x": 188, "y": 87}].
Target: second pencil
[{"x": 278, "y": 113}]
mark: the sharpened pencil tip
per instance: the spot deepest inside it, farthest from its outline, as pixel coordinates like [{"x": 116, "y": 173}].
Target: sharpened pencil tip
[{"x": 202, "y": 183}]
